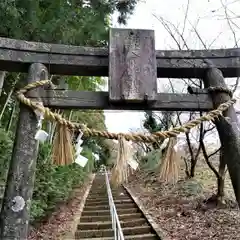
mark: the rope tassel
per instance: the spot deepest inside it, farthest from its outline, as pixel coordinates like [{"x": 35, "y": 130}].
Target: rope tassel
[
  {"x": 120, "y": 169},
  {"x": 169, "y": 168},
  {"x": 62, "y": 146}
]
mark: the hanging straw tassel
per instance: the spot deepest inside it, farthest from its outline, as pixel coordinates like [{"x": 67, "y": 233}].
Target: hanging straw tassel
[
  {"x": 169, "y": 167},
  {"x": 62, "y": 146},
  {"x": 120, "y": 169}
]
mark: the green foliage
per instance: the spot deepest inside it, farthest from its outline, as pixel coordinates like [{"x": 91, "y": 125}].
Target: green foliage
[
  {"x": 151, "y": 160},
  {"x": 70, "y": 22},
  {"x": 85, "y": 83},
  {"x": 53, "y": 184},
  {"x": 125, "y": 8},
  {"x": 152, "y": 125},
  {"x": 5, "y": 153},
  {"x": 65, "y": 22}
]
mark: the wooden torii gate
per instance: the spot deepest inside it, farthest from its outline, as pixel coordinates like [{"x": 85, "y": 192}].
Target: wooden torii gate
[{"x": 132, "y": 65}]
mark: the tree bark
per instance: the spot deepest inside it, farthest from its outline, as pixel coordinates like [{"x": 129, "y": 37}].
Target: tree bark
[
  {"x": 220, "y": 191},
  {"x": 228, "y": 129},
  {"x": 221, "y": 178},
  {"x": 15, "y": 214}
]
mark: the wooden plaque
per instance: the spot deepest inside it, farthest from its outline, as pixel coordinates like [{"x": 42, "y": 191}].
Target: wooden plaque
[{"x": 132, "y": 65}]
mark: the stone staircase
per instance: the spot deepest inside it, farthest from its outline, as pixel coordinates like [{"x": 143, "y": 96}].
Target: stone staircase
[{"x": 95, "y": 222}]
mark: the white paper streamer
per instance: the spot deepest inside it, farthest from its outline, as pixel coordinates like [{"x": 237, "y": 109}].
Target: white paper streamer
[
  {"x": 81, "y": 160},
  {"x": 41, "y": 135},
  {"x": 133, "y": 163},
  {"x": 79, "y": 150}
]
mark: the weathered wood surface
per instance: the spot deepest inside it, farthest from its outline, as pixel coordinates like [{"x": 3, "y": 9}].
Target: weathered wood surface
[
  {"x": 17, "y": 55},
  {"x": 228, "y": 129},
  {"x": 18, "y": 194},
  {"x": 195, "y": 90},
  {"x": 132, "y": 65},
  {"x": 65, "y": 99}
]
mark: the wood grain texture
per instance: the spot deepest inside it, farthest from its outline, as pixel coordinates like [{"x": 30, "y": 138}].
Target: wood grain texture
[
  {"x": 66, "y": 99},
  {"x": 15, "y": 214},
  {"x": 195, "y": 90},
  {"x": 17, "y": 55},
  {"x": 132, "y": 65}
]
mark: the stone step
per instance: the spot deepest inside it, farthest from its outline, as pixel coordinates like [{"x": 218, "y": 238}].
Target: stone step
[
  {"x": 108, "y": 224},
  {"x": 128, "y": 210},
  {"x": 147, "y": 236},
  {"x": 97, "y": 207},
  {"x": 100, "y": 190},
  {"x": 96, "y": 213},
  {"x": 93, "y": 233},
  {"x": 132, "y": 237},
  {"x": 142, "y": 229},
  {"x": 106, "y": 206},
  {"x": 95, "y": 222},
  {"x": 100, "y": 198},
  {"x": 103, "y": 191},
  {"x": 109, "y": 232},
  {"x": 115, "y": 196},
  {"x": 122, "y": 217},
  {"x": 105, "y": 202},
  {"x": 84, "y": 219},
  {"x": 106, "y": 212}
]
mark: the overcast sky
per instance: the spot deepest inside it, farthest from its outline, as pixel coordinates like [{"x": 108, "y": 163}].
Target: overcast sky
[{"x": 209, "y": 18}]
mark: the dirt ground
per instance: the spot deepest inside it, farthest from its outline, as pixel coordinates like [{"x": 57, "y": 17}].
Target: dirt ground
[{"x": 181, "y": 211}]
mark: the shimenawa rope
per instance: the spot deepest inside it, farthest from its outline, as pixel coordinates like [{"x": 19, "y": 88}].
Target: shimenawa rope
[{"x": 137, "y": 137}]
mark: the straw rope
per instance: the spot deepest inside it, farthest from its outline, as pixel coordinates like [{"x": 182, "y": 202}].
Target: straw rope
[{"x": 137, "y": 137}]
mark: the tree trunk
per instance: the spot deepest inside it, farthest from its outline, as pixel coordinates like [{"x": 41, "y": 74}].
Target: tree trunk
[
  {"x": 192, "y": 170},
  {"x": 228, "y": 129},
  {"x": 220, "y": 191},
  {"x": 15, "y": 214},
  {"x": 2, "y": 78},
  {"x": 221, "y": 178}
]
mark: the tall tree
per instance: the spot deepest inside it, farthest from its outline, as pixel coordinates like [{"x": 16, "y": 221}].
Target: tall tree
[{"x": 83, "y": 22}]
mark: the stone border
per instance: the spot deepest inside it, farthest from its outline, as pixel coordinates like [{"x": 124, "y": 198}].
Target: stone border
[
  {"x": 161, "y": 234},
  {"x": 70, "y": 235}
]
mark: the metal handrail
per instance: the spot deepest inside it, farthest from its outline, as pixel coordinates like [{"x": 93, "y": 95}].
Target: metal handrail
[{"x": 118, "y": 233}]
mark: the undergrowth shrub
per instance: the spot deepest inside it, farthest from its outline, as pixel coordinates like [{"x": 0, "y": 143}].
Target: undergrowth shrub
[
  {"x": 151, "y": 160},
  {"x": 53, "y": 184},
  {"x": 6, "y": 145},
  {"x": 189, "y": 187}
]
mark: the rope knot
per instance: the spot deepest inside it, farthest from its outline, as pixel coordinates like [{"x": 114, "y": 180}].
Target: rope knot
[{"x": 221, "y": 89}]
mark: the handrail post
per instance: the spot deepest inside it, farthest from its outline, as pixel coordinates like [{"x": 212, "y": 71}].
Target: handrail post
[{"x": 118, "y": 234}]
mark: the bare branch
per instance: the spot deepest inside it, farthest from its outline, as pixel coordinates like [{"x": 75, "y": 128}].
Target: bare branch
[
  {"x": 207, "y": 159},
  {"x": 209, "y": 129},
  {"x": 229, "y": 23},
  {"x": 215, "y": 152},
  {"x": 185, "y": 17}
]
